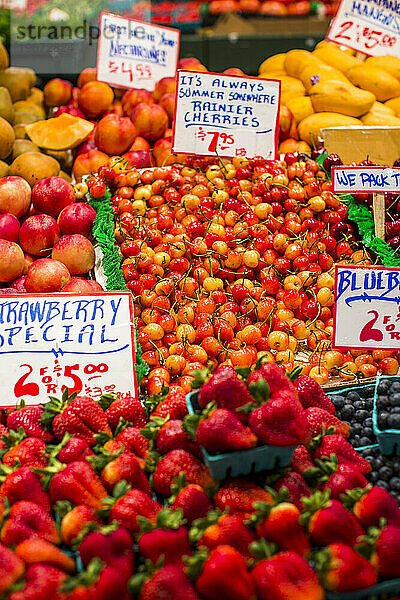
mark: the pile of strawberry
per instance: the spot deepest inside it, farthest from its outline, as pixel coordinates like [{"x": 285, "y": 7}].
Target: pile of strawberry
[{"x": 99, "y": 501}]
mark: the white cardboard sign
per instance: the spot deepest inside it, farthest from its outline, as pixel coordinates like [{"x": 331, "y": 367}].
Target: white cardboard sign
[
  {"x": 365, "y": 179},
  {"x": 368, "y": 26},
  {"x": 367, "y": 308},
  {"x": 134, "y": 54},
  {"x": 48, "y": 342},
  {"x": 226, "y": 115}
]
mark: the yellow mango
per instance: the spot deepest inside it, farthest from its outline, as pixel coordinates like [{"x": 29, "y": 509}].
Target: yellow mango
[
  {"x": 373, "y": 118},
  {"x": 340, "y": 97},
  {"x": 378, "y": 107},
  {"x": 297, "y": 60},
  {"x": 290, "y": 87},
  {"x": 336, "y": 58},
  {"x": 316, "y": 74},
  {"x": 300, "y": 106},
  {"x": 310, "y": 128},
  {"x": 381, "y": 83},
  {"x": 391, "y": 64},
  {"x": 273, "y": 75},
  {"x": 272, "y": 63},
  {"x": 326, "y": 43},
  {"x": 394, "y": 105}
]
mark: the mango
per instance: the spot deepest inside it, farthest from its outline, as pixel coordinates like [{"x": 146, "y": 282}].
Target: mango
[
  {"x": 18, "y": 81},
  {"x": 373, "y": 118},
  {"x": 378, "y": 107},
  {"x": 336, "y": 58},
  {"x": 340, "y": 97},
  {"x": 391, "y": 64},
  {"x": 273, "y": 63},
  {"x": 36, "y": 96},
  {"x": 300, "y": 106},
  {"x": 314, "y": 74},
  {"x": 382, "y": 84},
  {"x": 310, "y": 128},
  {"x": 290, "y": 87},
  {"x": 394, "y": 104},
  {"x": 297, "y": 60},
  {"x": 326, "y": 43}
]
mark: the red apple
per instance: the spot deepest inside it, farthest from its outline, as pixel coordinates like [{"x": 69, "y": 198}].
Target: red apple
[
  {"x": 138, "y": 158},
  {"x": 15, "y": 195},
  {"x": 77, "y": 218},
  {"x": 38, "y": 234},
  {"x": 53, "y": 194},
  {"x": 9, "y": 227},
  {"x": 12, "y": 261},
  {"x": 76, "y": 252},
  {"x": 46, "y": 275},
  {"x": 150, "y": 121},
  {"x": 78, "y": 284},
  {"x": 114, "y": 135},
  {"x": 19, "y": 285}
]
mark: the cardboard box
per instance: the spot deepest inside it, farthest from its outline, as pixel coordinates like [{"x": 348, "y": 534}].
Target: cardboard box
[{"x": 354, "y": 144}]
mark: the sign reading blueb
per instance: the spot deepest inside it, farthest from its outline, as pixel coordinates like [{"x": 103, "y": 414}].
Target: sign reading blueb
[
  {"x": 134, "y": 54},
  {"x": 226, "y": 115},
  {"x": 47, "y": 343},
  {"x": 365, "y": 179}
]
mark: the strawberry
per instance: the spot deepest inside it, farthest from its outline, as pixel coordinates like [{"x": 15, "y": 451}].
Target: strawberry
[
  {"x": 382, "y": 548},
  {"x": 221, "y": 529},
  {"x": 3, "y": 432},
  {"x": 11, "y": 568},
  {"x": 220, "y": 430},
  {"x": 169, "y": 434},
  {"x": 281, "y": 421},
  {"x": 80, "y": 416},
  {"x": 320, "y": 419},
  {"x": 341, "y": 569},
  {"x": 274, "y": 377},
  {"x": 371, "y": 504},
  {"x": 37, "y": 550},
  {"x": 227, "y": 391},
  {"x": 41, "y": 583},
  {"x": 176, "y": 462},
  {"x": 191, "y": 498},
  {"x": 98, "y": 582},
  {"x": 133, "y": 440},
  {"x": 113, "y": 545},
  {"x": 239, "y": 495},
  {"x": 345, "y": 453},
  {"x": 27, "y": 519},
  {"x": 128, "y": 507},
  {"x": 311, "y": 394},
  {"x": 75, "y": 520},
  {"x": 29, "y": 418},
  {"x": 168, "y": 583},
  {"x": 29, "y": 452},
  {"x": 121, "y": 466},
  {"x": 129, "y": 409},
  {"x": 329, "y": 522},
  {"x": 166, "y": 539},
  {"x": 301, "y": 460},
  {"x": 70, "y": 449},
  {"x": 23, "y": 483},
  {"x": 223, "y": 575},
  {"x": 280, "y": 523},
  {"x": 338, "y": 479},
  {"x": 286, "y": 576},
  {"x": 173, "y": 406},
  {"x": 296, "y": 486}
]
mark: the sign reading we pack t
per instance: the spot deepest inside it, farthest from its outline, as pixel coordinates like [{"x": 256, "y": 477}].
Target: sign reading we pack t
[
  {"x": 365, "y": 179},
  {"x": 51, "y": 342},
  {"x": 226, "y": 115}
]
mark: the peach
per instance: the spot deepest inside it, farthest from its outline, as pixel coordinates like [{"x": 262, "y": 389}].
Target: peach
[
  {"x": 140, "y": 144},
  {"x": 95, "y": 97},
  {"x": 76, "y": 252},
  {"x": 166, "y": 85},
  {"x": 150, "y": 121},
  {"x": 287, "y": 123},
  {"x": 15, "y": 195},
  {"x": 167, "y": 102},
  {"x": 19, "y": 285},
  {"x": 77, "y": 218},
  {"x": 116, "y": 108},
  {"x": 134, "y": 97},
  {"x": 114, "y": 135},
  {"x": 304, "y": 147},
  {"x": 52, "y": 194},
  {"x": 11, "y": 261},
  {"x": 85, "y": 147},
  {"x": 38, "y": 234},
  {"x": 57, "y": 92},
  {"x": 88, "y": 74},
  {"x": 192, "y": 64},
  {"x": 233, "y": 71},
  {"x": 78, "y": 284},
  {"x": 89, "y": 162},
  {"x": 288, "y": 145},
  {"x": 9, "y": 227},
  {"x": 138, "y": 158},
  {"x": 46, "y": 275},
  {"x": 29, "y": 259},
  {"x": 163, "y": 152}
]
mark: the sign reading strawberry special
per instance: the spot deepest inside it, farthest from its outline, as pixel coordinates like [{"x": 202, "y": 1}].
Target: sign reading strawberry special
[
  {"x": 51, "y": 342},
  {"x": 367, "y": 308},
  {"x": 134, "y": 54},
  {"x": 226, "y": 115},
  {"x": 368, "y": 26}
]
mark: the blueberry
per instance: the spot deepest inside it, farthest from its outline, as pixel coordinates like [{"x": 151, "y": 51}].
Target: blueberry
[
  {"x": 365, "y": 441},
  {"x": 393, "y": 421},
  {"x": 368, "y": 422},
  {"x": 359, "y": 404},
  {"x": 373, "y": 476},
  {"x": 394, "y": 483},
  {"x": 356, "y": 440},
  {"x": 378, "y": 462},
  {"x": 368, "y": 392},
  {"x": 383, "y": 417},
  {"x": 369, "y": 403},
  {"x": 383, "y": 387},
  {"x": 394, "y": 399},
  {"x": 395, "y": 387},
  {"x": 395, "y": 410},
  {"x": 382, "y": 484},
  {"x": 368, "y": 432},
  {"x": 353, "y": 396},
  {"x": 361, "y": 415},
  {"x": 382, "y": 402},
  {"x": 356, "y": 428},
  {"x": 385, "y": 473},
  {"x": 337, "y": 401},
  {"x": 347, "y": 413}
]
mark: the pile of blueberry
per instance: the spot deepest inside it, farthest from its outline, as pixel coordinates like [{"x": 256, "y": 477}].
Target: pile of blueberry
[
  {"x": 385, "y": 470},
  {"x": 388, "y": 404},
  {"x": 356, "y": 409}
]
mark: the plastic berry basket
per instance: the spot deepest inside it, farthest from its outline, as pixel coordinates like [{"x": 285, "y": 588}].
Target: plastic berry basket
[
  {"x": 232, "y": 464},
  {"x": 388, "y": 439},
  {"x": 384, "y": 588}
]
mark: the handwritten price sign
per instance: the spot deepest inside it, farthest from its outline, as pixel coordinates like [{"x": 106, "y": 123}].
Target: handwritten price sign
[
  {"x": 135, "y": 54},
  {"x": 371, "y": 27},
  {"x": 49, "y": 343},
  {"x": 367, "y": 308},
  {"x": 365, "y": 179}
]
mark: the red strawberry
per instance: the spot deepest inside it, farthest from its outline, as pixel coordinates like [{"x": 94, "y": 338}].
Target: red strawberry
[
  {"x": 220, "y": 430},
  {"x": 167, "y": 538},
  {"x": 29, "y": 417},
  {"x": 384, "y": 550},
  {"x": 346, "y": 477},
  {"x": 191, "y": 498},
  {"x": 11, "y": 568},
  {"x": 239, "y": 495},
  {"x": 329, "y": 522},
  {"x": 320, "y": 419},
  {"x": 75, "y": 520},
  {"x": 286, "y": 576},
  {"x": 169, "y": 583},
  {"x": 74, "y": 449},
  {"x": 297, "y": 488},
  {"x": 345, "y": 453},
  {"x": 42, "y": 582},
  {"x": 226, "y": 390},
  {"x": 125, "y": 466},
  {"x": 371, "y": 504},
  {"x": 113, "y": 546},
  {"x": 281, "y": 421},
  {"x": 28, "y": 519},
  {"x": 3, "y": 431},
  {"x": 176, "y": 462},
  {"x": 301, "y": 460},
  {"x": 173, "y": 406},
  {"x": 130, "y": 506},
  {"x": 76, "y": 482},
  {"x": 275, "y": 378},
  {"x": 37, "y": 550},
  {"x": 224, "y": 576},
  {"x": 311, "y": 394},
  {"x": 23, "y": 483},
  {"x": 129, "y": 409},
  {"x": 133, "y": 440},
  {"x": 216, "y": 530},
  {"x": 170, "y": 435},
  {"x": 341, "y": 569},
  {"x": 30, "y": 452},
  {"x": 98, "y": 582}
]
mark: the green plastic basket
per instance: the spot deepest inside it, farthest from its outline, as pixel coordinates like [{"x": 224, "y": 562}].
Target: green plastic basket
[
  {"x": 391, "y": 586},
  {"x": 388, "y": 439}
]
